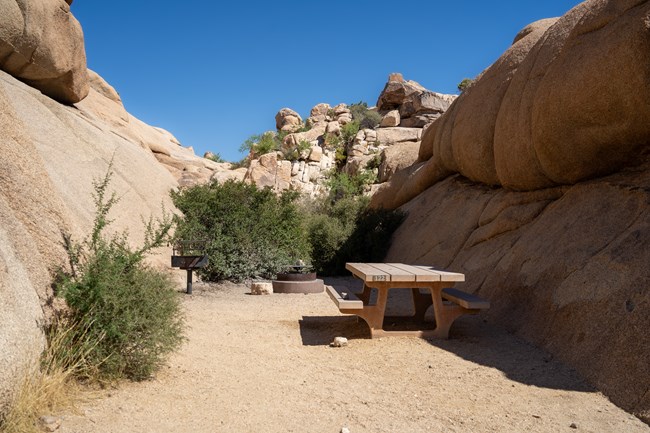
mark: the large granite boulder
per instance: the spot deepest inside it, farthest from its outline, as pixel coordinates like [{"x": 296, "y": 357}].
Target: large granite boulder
[
  {"x": 287, "y": 120},
  {"x": 565, "y": 103},
  {"x": 42, "y": 44},
  {"x": 397, "y": 157},
  {"x": 397, "y": 91},
  {"x": 578, "y": 106},
  {"x": 416, "y": 105}
]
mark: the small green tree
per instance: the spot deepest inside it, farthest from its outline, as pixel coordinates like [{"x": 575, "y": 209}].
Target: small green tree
[{"x": 261, "y": 143}]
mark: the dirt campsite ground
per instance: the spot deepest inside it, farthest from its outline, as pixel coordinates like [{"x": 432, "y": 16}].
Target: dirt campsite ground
[{"x": 263, "y": 364}]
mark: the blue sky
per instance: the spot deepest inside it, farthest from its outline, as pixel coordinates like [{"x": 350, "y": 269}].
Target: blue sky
[{"x": 214, "y": 74}]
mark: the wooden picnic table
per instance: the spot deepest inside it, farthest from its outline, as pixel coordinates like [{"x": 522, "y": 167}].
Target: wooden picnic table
[{"x": 448, "y": 303}]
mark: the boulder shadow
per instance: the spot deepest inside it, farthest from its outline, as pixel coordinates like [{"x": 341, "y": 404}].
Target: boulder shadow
[{"x": 473, "y": 339}]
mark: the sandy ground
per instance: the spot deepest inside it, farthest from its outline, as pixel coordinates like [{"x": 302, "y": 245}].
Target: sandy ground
[{"x": 263, "y": 364}]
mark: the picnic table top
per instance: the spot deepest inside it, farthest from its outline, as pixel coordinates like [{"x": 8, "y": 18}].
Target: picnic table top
[{"x": 400, "y": 272}]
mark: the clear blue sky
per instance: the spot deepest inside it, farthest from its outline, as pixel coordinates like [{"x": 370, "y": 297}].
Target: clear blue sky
[{"x": 214, "y": 73}]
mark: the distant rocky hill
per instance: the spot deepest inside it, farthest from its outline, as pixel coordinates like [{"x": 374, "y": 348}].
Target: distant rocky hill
[{"x": 404, "y": 108}]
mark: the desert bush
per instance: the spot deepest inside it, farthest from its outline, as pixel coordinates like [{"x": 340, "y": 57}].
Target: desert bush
[
  {"x": 124, "y": 315},
  {"x": 252, "y": 232},
  {"x": 261, "y": 143},
  {"x": 365, "y": 117},
  {"x": 216, "y": 157},
  {"x": 346, "y": 230},
  {"x": 464, "y": 84},
  {"x": 349, "y": 131},
  {"x": 342, "y": 185}
]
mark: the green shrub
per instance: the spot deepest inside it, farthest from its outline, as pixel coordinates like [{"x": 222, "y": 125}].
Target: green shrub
[
  {"x": 366, "y": 118},
  {"x": 343, "y": 185},
  {"x": 261, "y": 144},
  {"x": 349, "y": 131},
  {"x": 216, "y": 157},
  {"x": 464, "y": 84},
  {"x": 346, "y": 230},
  {"x": 252, "y": 232},
  {"x": 125, "y": 314}
]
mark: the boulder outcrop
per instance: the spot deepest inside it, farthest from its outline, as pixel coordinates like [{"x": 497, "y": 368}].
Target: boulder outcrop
[
  {"x": 536, "y": 184},
  {"x": 416, "y": 106},
  {"x": 42, "y": 44},
  {"x": 287, "y": 120}
]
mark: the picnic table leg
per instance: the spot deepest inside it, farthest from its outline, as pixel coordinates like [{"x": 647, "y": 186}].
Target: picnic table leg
[
  {"x": 421, "y": 302},
  {"x": 445, "y": 314},
  {"x": 374, "y": 314},
  {"x": 365, "y": 295}
]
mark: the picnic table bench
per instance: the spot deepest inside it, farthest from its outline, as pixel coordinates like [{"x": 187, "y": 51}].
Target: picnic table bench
[{"x": 448, "y": 303}]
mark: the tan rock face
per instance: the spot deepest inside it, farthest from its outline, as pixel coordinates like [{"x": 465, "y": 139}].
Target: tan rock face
[
  {"x": 267, "y": 171},
  {"x": 396, "y": 92},
  {"x": 392, "y": 118},
  {"x": 42, "y": 44},
  {"x": 390, "y": 136},
  {"x": 416, "y": 105},
  {"x": 397, "y": 157}
]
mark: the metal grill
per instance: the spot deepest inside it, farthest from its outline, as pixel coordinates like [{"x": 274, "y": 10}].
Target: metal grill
[{"x": 189, "y": 255}]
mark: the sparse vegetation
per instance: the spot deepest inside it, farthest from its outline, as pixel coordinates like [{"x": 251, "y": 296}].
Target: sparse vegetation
[
  {"x": 261, "y": 144},
  {"x": 124, "y": 315},
  {"x": 365, "y": 117},
  {"x": 48, "y": 385},
  {"x": 215, "y": 157},
  {"x": 464, "y": 84},
  {"x": 343, "y": 185}
]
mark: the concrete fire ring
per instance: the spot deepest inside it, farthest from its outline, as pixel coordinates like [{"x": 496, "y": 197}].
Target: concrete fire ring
[{"x": 313, "y": 286}]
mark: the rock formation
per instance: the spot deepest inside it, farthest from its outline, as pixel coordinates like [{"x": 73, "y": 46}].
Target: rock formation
[
  {"x": 408, "y": 104},
  {"x": 41, "y": 43},
  {"x": 536, "y": 184},
  {"x": 309, "y": 150}
]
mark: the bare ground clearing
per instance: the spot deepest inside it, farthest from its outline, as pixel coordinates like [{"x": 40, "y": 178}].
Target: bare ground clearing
[{"x": 263, "y": 364}]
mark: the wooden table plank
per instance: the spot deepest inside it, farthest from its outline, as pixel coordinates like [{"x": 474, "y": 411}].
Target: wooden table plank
[
  {"x": 396, "y": 273},
  {"x": 367, "y": 272},
  {"x": 444, "y": 275},
  {"x": 420, "y": 274}
]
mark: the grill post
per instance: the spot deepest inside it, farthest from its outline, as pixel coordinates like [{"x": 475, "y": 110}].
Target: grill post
[
  {"x": 189, "y": 255},
  {"x": 189, "y": 281}
]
